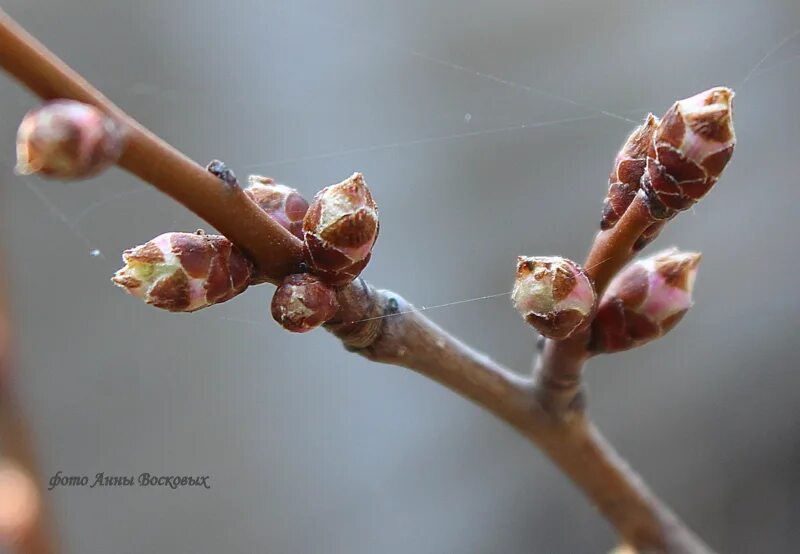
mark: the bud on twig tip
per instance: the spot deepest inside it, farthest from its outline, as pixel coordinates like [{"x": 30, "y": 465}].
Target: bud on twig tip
[
  {"x": 553, "y": 294},
  {"x": 645, "y": 301},
  {"x": 68, "y": 140},
  {"x": 692, "y": 145}
]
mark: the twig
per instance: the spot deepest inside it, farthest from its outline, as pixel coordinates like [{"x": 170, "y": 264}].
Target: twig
[
  {"x": 17, "y": 446},
  {"x": 384, "y": 328},
  {"x": 274, "y": 249},
  {"x": 559, "y": 366},
  {"x": 404, "y": 339}
]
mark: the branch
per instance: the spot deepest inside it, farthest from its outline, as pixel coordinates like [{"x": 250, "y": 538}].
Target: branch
[
  {"x": 380, "y": 325},
  {"x": 559, "y": 366},
  {"x": 384, "y": 328},
  {"x": 17, "y": 447}
]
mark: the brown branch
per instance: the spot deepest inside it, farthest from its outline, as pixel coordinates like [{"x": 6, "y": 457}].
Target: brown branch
[
  {"x": 383, "y": 327},
  {"x": 17, "y": 446},
  {"x": 228, "y": 209},
  {"x": 406, "y": 338}
]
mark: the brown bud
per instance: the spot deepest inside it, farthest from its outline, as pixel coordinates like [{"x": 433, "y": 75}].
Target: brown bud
[
  {"x": 645, "y": 301},
  {"x": 284, "y": 204},
  {"x": 692, "y": 145},
  {"x": 339, "y": 230},
  {"x": 629, "y": 166},
  {"x": 20, "y": 504},
  {"x": 184, "y": 272},
  {"x": 303, "y": 302},
  {"x": 553, "y": 294},
  {"x": 64, "y": 139}
]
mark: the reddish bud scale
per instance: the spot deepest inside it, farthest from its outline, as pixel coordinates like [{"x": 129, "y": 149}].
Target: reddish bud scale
[
  {"x": 64, "y": 139},
  {"x": 553, "y": 294},
  {"x": 340, "y": 229},
  {"x": 690, "y": 148},
  {"x": 184, "y": 272},
  {"x": 284, "y": 204},
  {"x": 645, "y": 301},
  {"x": 629, "y": 166},
  {"x": 303, "y": 302}
]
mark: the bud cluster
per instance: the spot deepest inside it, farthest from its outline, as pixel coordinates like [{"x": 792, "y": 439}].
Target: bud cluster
[
  {"x": 674, "y": 161},
  {"x": 65, "y": 139},
  {"x": 184, "y": 272},
  {"x": 553, "y": 294},
  {"x": 644, "y": 301}
]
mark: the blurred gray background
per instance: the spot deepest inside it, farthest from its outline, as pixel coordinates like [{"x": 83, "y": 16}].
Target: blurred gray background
[{"x": 478, "y": 127}]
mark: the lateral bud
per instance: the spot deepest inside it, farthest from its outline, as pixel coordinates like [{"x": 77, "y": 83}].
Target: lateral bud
[
  {"x": 284, "y": 204},
  {"x": 553, "y": 294},
  {"x": 184, "y": 272},
  {"x": 68, "y": 140},
  {"x": 303, "y": 302},
  {"x": 644, "y": 301},
  {"x": 629, "y": 165},
  {"x": 340, "y": 229}
]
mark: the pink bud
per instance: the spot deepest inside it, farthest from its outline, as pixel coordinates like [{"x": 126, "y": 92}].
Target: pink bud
[
  {"x": 284, "y": 204},
  {"x": 629, "y": 166},
  {"x": 184, "y": 272},
  {"x": 339, "y": 230},
  {"x": 645, "y": 301},
  {"x": 553, "y": 294},
  {"x": 64, "y": 139},
  {"x": 690, "y": 148},
  {"x": 20, "y": 503},
  {"x": 303, "y": 303}
]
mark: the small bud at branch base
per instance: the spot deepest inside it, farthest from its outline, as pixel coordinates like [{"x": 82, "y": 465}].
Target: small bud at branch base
[
  {"x": 553, "y": 294},
  {"x": 303, "y": 302},
  {"x": 184, "y": 272}
]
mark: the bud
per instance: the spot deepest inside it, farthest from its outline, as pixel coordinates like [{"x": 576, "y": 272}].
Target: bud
[
  {"x": 184, "y": 272},
  {"x": 629, "y": 166},
  {"x": 284, "y": 204},
  {"x": 339, "y": 230},
  {"x": 690, "y": 148},
  {"x": 20, "y": 504},
  {"x": 553, "y": 294},
  {"x": 645, "y": 301},
  {"x": 303, "y": 303},
  {"x": 64, "y": 139},
  {"x": 221, "y": 171}
]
